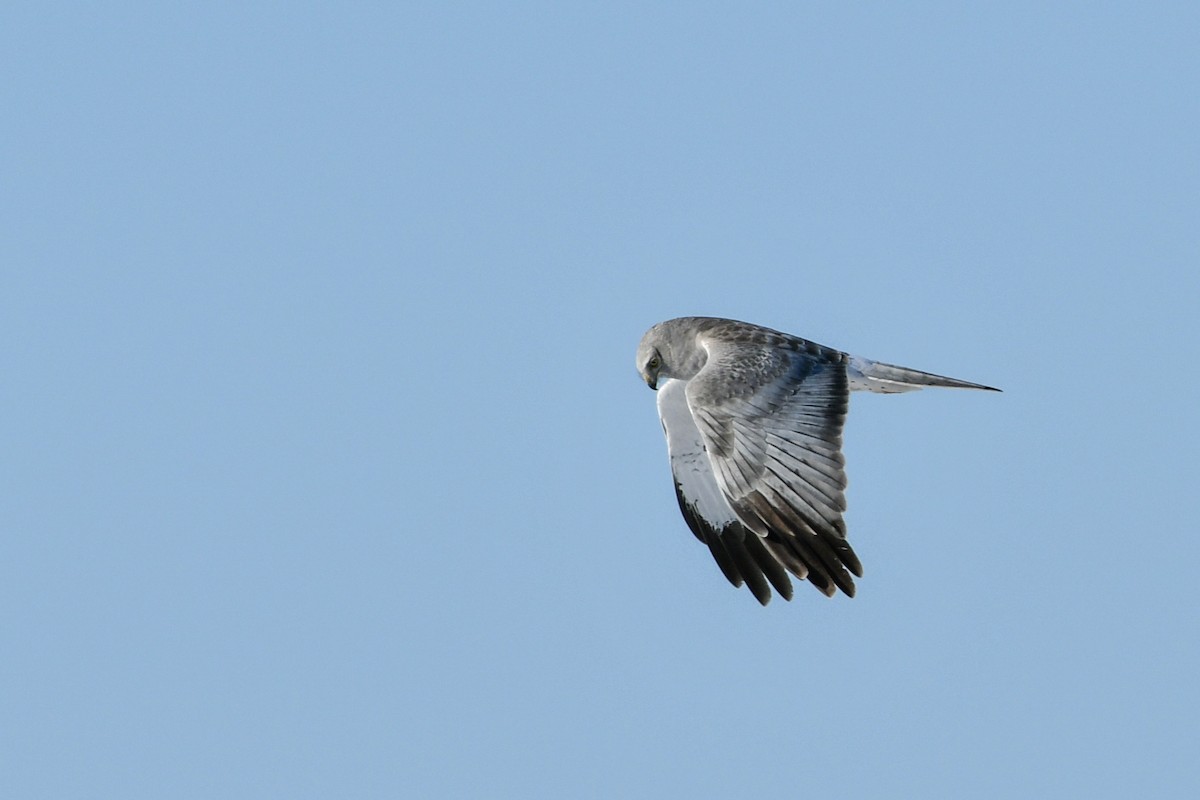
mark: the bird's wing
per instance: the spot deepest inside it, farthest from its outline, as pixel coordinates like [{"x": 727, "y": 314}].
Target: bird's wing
[
  {"x": 741, "y": 555},
  {"x": 770, "y": 415}
]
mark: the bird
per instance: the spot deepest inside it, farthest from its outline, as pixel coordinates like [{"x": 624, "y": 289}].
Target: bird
[{"x": 753, "y": 420}]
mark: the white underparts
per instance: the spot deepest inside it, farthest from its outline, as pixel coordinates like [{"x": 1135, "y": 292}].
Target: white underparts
[{"x": 689, "y": 460}]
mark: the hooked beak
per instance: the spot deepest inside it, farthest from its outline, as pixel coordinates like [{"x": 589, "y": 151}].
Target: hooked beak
[{"x": 651, "y": 381}]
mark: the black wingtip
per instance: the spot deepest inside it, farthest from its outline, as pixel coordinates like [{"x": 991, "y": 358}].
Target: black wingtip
[
  {"x": 825, "y": 556},
  {"x": 725, "y": 562},
  {"x": 770, "y": 566},
  {"x": 755, "y": 581}
]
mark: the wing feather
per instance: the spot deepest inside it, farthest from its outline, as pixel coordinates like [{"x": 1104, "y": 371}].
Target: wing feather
[
  {"x": 755, "y": 582},
  {"x": 828, "y": 495},
  {"x": 770, "y": 567},
  {"x": 770, "y": 416},
  {"x": 705, "y": 507}
]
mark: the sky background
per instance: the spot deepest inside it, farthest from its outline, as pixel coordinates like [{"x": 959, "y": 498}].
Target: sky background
[{"x": 327, "y": 472}]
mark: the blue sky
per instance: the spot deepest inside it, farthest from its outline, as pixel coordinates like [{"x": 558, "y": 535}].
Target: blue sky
[{"x": 327, "y": 470}]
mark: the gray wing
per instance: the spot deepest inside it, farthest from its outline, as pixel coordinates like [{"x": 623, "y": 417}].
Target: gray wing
[
  {"x": 741, "y": 555},
  {"x": 771, "y": 417}
]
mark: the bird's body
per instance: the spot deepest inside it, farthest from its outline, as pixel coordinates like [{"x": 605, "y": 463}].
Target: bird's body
[{"x": 753, "y": 419}]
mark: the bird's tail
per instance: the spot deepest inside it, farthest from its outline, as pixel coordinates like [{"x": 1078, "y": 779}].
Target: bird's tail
[{"x": 873, "y": 376}]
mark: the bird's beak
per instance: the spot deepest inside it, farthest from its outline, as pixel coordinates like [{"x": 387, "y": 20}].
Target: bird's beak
[{"x": 651, "y": 381}]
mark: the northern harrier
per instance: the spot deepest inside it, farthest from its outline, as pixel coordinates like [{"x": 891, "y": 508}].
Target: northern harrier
[{"x": 753, "y": 419}]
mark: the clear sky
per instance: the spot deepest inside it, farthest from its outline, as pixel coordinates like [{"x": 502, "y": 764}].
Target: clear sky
[{"x": 326, "y": 470}]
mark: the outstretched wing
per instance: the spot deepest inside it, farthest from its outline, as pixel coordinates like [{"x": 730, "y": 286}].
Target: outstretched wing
[
  {"x": 740, "y": 554},
  {"x": 770, "y": 415}
]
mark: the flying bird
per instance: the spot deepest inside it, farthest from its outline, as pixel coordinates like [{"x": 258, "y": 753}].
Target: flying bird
[{"x": 753, "y": 419}]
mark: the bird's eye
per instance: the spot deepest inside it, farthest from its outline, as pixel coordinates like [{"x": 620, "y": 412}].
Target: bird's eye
[{"x": 653, "y": 363}]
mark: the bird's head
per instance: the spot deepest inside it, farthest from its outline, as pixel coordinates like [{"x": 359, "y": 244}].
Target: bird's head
[
  {"x": 650, "y": 357},
  {"x": 650, "y": 366},
  {"x": 673, "y": 349},
  {"x": 654, "y": 356}
]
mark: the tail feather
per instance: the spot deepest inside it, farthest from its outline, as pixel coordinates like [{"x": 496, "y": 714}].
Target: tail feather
[{"x": 873, "y": 376}]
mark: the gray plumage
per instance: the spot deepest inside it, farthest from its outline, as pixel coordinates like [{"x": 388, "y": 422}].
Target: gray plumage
[{"x": 753, "y": 419}]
